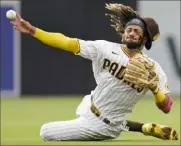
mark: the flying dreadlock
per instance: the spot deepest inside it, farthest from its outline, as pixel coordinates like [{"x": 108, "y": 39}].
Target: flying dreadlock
[{"x": 121, "y": 16}]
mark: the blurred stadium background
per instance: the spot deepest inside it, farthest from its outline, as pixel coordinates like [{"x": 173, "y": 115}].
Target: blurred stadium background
[{"x": 41, "y": 84}]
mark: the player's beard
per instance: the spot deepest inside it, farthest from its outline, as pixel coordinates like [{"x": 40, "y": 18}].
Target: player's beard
[{"x": 133, "y": 45}]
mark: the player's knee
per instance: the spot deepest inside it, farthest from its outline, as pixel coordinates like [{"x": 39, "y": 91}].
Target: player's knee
[{"x": 45, "y": 133}]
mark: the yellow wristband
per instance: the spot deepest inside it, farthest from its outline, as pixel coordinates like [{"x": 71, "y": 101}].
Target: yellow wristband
[
  {"x": 159, "y": 96},
  {"x": 155, "y": 91}
]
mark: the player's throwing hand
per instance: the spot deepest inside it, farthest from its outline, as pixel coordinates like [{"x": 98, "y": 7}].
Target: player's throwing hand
[{"x": 22, "y": 25}]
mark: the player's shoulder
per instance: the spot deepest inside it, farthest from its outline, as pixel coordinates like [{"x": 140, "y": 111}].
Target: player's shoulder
[
  {"x": 99, "y": 43},
  {"x": 107, "y": 43},
  {"x": 107, "y": 46}
]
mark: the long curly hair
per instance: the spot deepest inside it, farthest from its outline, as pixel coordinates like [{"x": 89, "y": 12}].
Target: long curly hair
[{"x": 120, "y": 15}]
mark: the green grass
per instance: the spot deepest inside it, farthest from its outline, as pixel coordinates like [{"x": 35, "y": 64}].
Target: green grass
[{"x": 22, "y": 118}]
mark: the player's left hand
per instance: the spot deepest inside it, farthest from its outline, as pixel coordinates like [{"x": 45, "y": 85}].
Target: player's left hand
[{"x": 141, "y": 71}]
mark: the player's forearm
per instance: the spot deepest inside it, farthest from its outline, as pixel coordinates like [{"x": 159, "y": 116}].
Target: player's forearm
[
  {"x": 57, "y": 40},
  {"x": 163, "y": 101}
]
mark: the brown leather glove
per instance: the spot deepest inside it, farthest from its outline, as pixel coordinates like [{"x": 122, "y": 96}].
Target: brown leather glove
[{"x": 141, "y": 71}]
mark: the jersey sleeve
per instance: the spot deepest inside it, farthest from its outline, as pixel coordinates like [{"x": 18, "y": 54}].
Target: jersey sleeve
[
  {"x": 162, "y": 83},
  {"x": 89, "y": 49}
]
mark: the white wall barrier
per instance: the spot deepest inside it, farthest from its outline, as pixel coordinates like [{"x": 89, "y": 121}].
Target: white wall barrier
[{"x": 166, "y": 50}]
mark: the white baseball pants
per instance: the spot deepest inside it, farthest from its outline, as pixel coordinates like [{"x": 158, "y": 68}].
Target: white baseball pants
[{"x": 85, "y": 127}]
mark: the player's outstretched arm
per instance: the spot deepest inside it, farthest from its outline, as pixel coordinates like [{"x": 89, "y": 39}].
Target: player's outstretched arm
[
  {"x": 163, "y": 101},
  {"x": 57, "y": 40}
]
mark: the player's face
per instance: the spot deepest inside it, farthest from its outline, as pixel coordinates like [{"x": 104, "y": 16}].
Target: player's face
[{"x": 133, "y": 36}]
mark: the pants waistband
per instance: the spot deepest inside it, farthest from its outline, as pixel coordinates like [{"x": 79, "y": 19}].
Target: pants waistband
[{"x": 97, "y": 113}]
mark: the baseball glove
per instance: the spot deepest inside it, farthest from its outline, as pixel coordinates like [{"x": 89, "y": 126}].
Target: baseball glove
[{"x": 141, "y": 72}]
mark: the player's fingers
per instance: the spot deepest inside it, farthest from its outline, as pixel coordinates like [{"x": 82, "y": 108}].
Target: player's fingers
[
  {"x": 18, "y": 16},
  {"x": 16, "y": 28},
  {"x": 23, "y": 22},
  {"x": 13, "y": 23},
  {"x": 18, "y": 19}
]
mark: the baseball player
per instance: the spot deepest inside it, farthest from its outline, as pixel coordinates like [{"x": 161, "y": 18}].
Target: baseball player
[{"x": 123, "y": 75}]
